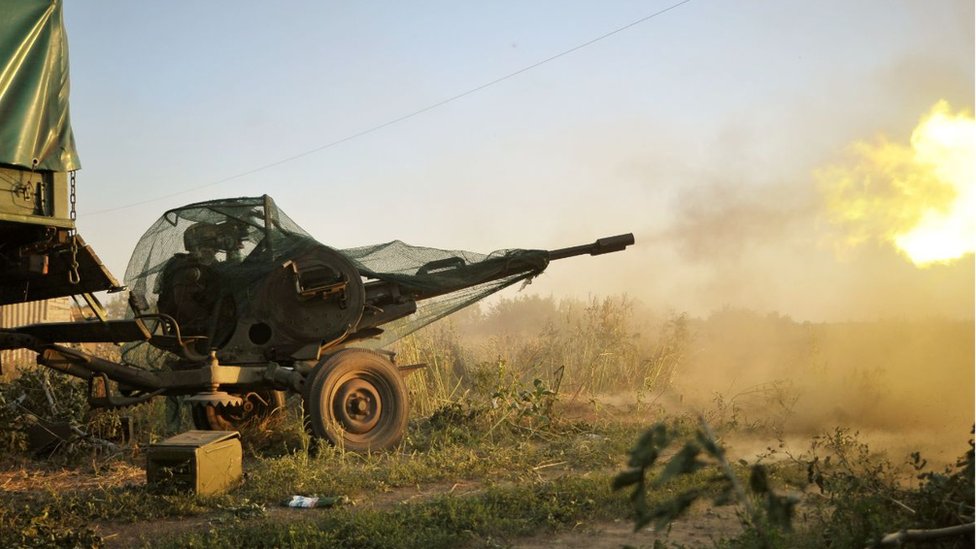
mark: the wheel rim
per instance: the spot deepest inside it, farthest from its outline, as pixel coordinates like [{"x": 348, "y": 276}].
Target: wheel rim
[
  {"x": 358, "y": 405},
  {"x": 357, "y": 399}
]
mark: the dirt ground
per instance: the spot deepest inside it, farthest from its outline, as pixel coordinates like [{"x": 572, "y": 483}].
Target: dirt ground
[{"x": 701, "y": 527}]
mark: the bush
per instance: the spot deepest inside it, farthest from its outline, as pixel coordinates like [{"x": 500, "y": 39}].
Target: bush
[
  {"x": 866, "y": 498},
  {"x": 40, "y": 395}
]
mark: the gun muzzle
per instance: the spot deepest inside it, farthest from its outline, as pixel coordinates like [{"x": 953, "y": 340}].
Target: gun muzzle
[{"x": 601, "y": 246}]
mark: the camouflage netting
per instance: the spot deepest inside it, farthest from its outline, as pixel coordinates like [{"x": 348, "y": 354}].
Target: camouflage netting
[
  {"x": 477, "y": 277},
  {"x": 244, "y": 240}
]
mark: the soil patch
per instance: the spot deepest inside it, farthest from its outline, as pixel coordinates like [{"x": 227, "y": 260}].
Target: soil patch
[{"x": 701, "y": 527}]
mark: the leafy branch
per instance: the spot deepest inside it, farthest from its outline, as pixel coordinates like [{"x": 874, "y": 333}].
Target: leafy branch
[{"x": 762, "y": 506}]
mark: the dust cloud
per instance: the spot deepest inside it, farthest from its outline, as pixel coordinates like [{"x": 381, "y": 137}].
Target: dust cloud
[
  {"x": 792, "y": 333},
  {"x": 904, "y": 384}
]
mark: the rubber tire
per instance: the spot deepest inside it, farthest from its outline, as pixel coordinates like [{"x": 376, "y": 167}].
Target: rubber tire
[
  {"x": 212, "y": 418},
  {"x": 364, "y": 373}
]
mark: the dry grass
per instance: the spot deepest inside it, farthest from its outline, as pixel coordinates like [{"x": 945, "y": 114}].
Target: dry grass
[{"x": 30, "y": 477}]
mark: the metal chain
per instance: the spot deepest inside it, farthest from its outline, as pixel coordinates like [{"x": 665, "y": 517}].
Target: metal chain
[
  {"x": 72, "y": 198},
  {"x": 73, "y": 276}
]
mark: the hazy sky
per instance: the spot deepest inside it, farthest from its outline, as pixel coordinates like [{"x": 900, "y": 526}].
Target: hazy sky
[{"x": 698, "y": 130}]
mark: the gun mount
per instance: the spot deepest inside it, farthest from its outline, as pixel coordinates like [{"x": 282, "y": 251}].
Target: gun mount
[{"x": 238, "y": 278}]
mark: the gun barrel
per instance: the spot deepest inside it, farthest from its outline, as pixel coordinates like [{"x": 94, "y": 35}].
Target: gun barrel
[{"x": 601, "y": 246}]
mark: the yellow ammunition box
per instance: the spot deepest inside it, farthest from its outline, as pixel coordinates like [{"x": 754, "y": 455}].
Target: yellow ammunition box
[{"x": 204, "y": 462}]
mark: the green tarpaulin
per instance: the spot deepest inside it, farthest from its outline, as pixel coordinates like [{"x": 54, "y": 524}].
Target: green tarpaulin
[{"x": 35, "y": 129}]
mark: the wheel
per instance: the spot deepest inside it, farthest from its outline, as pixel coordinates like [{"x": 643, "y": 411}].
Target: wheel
[
  {"x": 257, "y": 406},
  {"x": 357, "y": 399}
]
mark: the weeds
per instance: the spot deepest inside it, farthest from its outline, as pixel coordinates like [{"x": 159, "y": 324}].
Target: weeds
[
  {"x": 30, "y": 528},
  {"x": 762, "y": 408},
  {"x": 664, "y": 362},
  {"x": 863, "y": 503},
  {"x": 580, "y": 348},
  {"x": 492, "y": 517},
  {"x": 866, "y": 498}
]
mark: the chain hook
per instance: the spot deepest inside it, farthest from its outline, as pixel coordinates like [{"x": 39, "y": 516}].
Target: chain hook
[{"x": 74, "y": 277}]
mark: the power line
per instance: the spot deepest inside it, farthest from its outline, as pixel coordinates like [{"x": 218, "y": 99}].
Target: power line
[{"x": 400, "y": 118}]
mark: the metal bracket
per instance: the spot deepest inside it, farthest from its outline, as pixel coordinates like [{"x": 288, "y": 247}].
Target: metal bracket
[{"x": 319, "y": 281}]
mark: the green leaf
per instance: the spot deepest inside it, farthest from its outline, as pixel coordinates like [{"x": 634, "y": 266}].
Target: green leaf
[
  {"x": 709, "y": 445},
  {"x": 648, "y": 447},
  {"x": 674, "y": 508},
  {"x": 622, "y": 480},
  {"x": 682, "y": 463}
]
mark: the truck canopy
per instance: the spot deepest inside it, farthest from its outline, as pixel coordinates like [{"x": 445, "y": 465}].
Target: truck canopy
[{"x": 35, "y": 127}]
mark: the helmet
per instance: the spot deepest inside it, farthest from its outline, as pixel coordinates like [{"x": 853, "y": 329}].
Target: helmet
[{"x": 202, "y": 235}]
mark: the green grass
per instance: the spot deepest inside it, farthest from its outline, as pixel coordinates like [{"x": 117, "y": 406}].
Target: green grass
[
  {"x": 429, "y": 455},
  {"x": 495, "y": 516}
]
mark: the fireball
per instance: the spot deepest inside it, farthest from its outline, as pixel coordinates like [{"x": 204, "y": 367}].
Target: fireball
[{"x": 920, "y": 197}]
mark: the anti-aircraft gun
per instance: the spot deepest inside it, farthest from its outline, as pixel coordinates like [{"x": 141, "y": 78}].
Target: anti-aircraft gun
[{"x": 234, "y": 304}]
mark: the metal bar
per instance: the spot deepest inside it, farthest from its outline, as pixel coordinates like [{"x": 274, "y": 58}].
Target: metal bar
[
  {"x": 81, "y": 364},
  {"x": 56, "y": 356},
  {"x": 268, "y": 225},
  {"x": 95, "y": 305}
]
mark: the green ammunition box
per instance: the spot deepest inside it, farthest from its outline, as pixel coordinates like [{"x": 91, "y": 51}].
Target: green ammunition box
[{"x": 205, "y": 462}]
